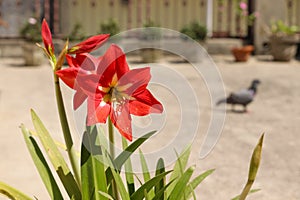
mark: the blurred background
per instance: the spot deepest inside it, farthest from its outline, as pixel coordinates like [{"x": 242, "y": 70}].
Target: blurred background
[{"x": 77, "y": 18}]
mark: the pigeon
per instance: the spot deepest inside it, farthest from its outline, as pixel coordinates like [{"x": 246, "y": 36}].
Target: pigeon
[{"x": 242, "y": 97}]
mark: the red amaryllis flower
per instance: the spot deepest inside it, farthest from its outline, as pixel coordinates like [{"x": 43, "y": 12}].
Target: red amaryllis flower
[
  {"x": 89, "y": 44},
  {"x": 47, "y": 39},
  {"x": 115, "y": 91}
]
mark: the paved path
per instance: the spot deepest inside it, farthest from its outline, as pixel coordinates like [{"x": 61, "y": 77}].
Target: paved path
[{"x": 275, "y": 111}]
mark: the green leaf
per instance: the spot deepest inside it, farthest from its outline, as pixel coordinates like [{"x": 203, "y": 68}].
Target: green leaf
[
  {"x": 107, "y": 196},
  {"x": 195, "y": 182},
  {"x": 160, "y": 168},
  {"x": 145, "y": 168},
  {"x": 177, "y": 192},
  {"x": 41, "y": 165},
  {"x": 118, "y": 180},
  {"x": 179, "y": 167},
  {"x": 146, "y": 174},
  {"x": 160, "y": 194},
  {"x": 93, "y": 179},
  {"x": 56, "y": 158},
  {"x": 12, "y": 193},
  {"x": 254, "y": 165},
  {"x": 121, "y": 159},
  {"x": 251, "y": 191},
  {"x": 128, "y": 171},
  {"x": 139, "y": 194},
  {"x": 146, "y": 194}
]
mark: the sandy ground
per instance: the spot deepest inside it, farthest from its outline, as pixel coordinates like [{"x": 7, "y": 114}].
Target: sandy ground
[{"x": 275, "y": 111}]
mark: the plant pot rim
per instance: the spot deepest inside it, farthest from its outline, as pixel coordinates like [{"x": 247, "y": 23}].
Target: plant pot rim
[{"x": 246, "y": 48}]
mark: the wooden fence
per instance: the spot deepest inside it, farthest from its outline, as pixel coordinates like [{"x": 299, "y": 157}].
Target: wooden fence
[
  {"x": 129, "y": 14},
  {"x": 173, "y": 14}
]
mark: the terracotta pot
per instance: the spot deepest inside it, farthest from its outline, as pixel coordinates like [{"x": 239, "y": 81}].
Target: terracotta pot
[{"x": 242, "y": 54}]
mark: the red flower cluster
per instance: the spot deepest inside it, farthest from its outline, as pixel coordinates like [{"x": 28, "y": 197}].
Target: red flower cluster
[{"x": 109, "y": 86}]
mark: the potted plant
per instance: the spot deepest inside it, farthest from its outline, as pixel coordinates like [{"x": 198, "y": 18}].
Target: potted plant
[
  {"x": 242, "y": 54},
  {"x": 111, "y": 27},
  {"x": 195, "y": 31},
  {"x": 150, "y": 38},
  {"x": 283, "y": 41},
  {"x": 31, "y": 33},
  {"x": 76, "y": 33}
]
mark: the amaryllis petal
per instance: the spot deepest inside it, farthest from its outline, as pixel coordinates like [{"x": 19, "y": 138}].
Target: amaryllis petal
[
  {"x": 47, "y": 38},
  {"x": 135, "y": 80},
  {"x": 120, "y": 117},
  {"x": 68, "y": 76},
  {"x": 84, "y": 61},
  {"x": 78, "y": 99},
  {"x": 73, "y": 62},
  {"x": 89, "y": 44},
  {"x": 98, "y": 111},
  {"x": 144, "y": 104},
  {"x": 89, "y": 84},
  {"x": 113, "y": 62}
]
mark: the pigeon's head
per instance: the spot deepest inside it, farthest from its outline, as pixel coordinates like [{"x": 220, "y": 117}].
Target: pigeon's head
[
  {"x": 255, "y": 82},
  {"x": 254, "y": 85}
]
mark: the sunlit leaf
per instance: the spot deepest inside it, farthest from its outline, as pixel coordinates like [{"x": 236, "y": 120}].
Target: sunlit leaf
[
  {"x": 160, "y": 168},
  {"x": 195, "y": 182},
  {"x": 56, "y": 158},
  {"x": 41, "y": 165},
  {"x": 121, "y": 159},
  {"x": 12, "y": 193},
  {"x": 93, "y": 179},
  {"x": 177, "y": 192},
  {"x": 128, "y": 171},
  {"x": 139, "y": 193},
  {"x": 179, "y": 167}
]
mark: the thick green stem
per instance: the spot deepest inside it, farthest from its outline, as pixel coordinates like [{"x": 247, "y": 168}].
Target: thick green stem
[
  {"x": 112, "y": 154},
  {"x": 111, "y": 139},
  {"x": 66, "y": 130}
]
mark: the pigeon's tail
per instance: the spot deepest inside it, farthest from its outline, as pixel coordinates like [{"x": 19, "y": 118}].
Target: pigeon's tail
[{"x": 221, "y": 101}]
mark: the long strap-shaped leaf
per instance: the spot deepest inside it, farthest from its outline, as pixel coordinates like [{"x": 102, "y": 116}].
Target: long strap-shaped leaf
[
  {"x": 181, "y": 184},
  {"x": 195, "y": 182},
  {"x": 12, "y": 193},
  {"x": 145, "y": 169},
  {"x": 160, "y": 168},
  {"x": 128, "y": 171},
  {"x": 93, "y": 177},
  {"x": 56, "y": 158},
  {"x": 117, "y": 178},
  {"x": 179, "y": 167},
  {"x": 160, "y": 195},
  {"x": 121, "y": 159},
  {"x": 140, "y": 193},
  {"x": 146, "y": 173},
  {"x": 41, "y": 165}
]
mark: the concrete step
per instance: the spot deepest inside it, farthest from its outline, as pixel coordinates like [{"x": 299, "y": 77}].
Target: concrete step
[
  {"x": 13, "y": 47},
  {"x": 222, "y": 45}
]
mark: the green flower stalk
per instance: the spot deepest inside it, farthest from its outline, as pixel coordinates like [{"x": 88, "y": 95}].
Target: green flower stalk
[{"x": 57, "y": 64}]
